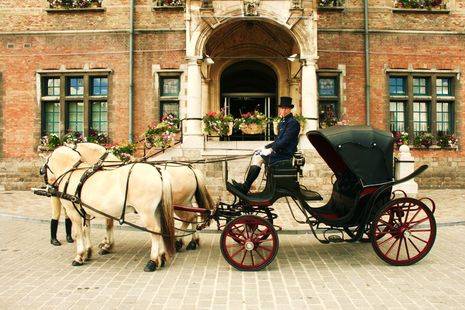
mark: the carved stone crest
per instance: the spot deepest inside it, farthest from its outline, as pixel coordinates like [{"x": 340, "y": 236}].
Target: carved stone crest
[{"x": 251, "y": 7}]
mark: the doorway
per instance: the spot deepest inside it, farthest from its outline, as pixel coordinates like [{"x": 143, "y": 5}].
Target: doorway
[{"x": 249, "y": 86}]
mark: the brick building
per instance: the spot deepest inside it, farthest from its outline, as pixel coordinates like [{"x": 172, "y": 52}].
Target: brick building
[{"x": 70, "y": 68}]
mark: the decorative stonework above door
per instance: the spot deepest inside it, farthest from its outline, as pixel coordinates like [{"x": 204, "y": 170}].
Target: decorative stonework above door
[{"x": 251, "y": 7}]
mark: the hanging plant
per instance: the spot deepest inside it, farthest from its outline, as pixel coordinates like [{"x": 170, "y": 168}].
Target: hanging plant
[
  {"x": 252, "y": 123},
  {"x": 218, "y": 124},
  {"x": 164, "y": 134}
]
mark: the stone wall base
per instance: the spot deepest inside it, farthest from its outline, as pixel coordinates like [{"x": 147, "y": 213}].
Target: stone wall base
[{"x": 19, "y": 174}]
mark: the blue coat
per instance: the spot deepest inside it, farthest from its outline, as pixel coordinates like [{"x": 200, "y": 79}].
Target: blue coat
[{"x": 285, "y": 144}]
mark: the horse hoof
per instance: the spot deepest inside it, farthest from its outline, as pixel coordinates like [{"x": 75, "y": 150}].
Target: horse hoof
[
  {"x": 151, "y": 266},
  {"x": 55, "y": 242},
  {"x": 178, "y": 244},
  {"x": 192, "y": 245},
  {"x": 76, "y": 263},
  {"x": 103, "y": 252}
]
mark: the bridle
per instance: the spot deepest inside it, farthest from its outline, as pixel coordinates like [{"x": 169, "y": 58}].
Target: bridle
[{"x": 45, "y": 168}]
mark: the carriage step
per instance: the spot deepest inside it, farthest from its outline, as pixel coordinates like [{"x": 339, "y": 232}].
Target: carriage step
[{"x": 335, "y": 239}]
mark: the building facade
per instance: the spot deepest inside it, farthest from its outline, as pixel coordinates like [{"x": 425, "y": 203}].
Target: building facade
[{"x": 117, "y": 66}]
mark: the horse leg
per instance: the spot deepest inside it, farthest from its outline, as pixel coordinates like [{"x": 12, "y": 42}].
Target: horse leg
[
  {"x": 80, "y": 245},
  {"x": 156, "y": 255},
  {"x": 88, "y": 242},
  {"x": 180, "y": 241},
  {"x": 107, "y": 243},
  {"x": 195, "y": 241}
]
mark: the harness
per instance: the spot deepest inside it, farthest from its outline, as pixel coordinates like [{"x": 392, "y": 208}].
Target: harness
[{"x": 53, "y": 190}]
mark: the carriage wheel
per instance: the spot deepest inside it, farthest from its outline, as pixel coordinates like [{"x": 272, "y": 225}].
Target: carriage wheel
[
  {"x": 404, "y": 230},
  {"x": 249, "y": 243}
]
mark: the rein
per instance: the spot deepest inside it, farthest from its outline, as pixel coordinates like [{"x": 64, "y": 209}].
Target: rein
[{"x": 53, "y": 190}]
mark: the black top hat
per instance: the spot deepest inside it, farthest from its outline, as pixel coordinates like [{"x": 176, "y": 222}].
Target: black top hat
[{"x": 285, "y": 102}]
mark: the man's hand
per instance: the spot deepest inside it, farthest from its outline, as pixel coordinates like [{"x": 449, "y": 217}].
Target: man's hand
[{"x": 266, "y": 152}]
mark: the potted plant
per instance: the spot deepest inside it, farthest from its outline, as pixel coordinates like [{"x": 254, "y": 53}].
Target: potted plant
[
  {"x": 423, "y": 139},
  {"x": 164, "y": 134},
  {"x": 252, "y": 123},
  {"x": 124, "y": 151},
  {"x": 97, "y": 137},
  {"x": 446, "y": 141},
  {"x": 73, "y": 137},
  {"x": 401, "y": 137},
  {"x": 49, "y": 143},
  {"x": 217, "y": 124},
  {"x": 302, "y": 121}
]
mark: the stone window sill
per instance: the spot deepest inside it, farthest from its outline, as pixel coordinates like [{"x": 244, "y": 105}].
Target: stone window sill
[
  {"x": 331, "y": 8},
  {"x": 74, "y": 10},
  {"x": 420, "y": 11},
  {"x": 168, "y": 7}
]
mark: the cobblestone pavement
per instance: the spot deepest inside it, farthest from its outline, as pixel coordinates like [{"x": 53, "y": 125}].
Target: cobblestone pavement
[{"x": 305, "y": 274}]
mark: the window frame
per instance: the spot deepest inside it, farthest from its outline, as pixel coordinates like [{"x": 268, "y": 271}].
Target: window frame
[
  {"x": 431, "y": 98},
  {"x": 64, "y": 98},
  {"x": 325, "y": 100},
  {"x": 162, "y": 75}
]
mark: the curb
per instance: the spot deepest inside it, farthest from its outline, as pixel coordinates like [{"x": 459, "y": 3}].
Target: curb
[{"x": 19, "y": 218}]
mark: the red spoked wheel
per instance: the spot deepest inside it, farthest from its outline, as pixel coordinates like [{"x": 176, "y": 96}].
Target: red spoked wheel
[
  {"x": 404, "y": 230},
  {"x": 249, "y": 243}
]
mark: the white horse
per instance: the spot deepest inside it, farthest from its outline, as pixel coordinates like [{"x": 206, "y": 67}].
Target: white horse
[
  {"x": 187, "y": 183},
  {"x": 148, "y": 194}
]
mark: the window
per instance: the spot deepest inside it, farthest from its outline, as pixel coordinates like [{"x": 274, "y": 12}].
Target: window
[
  {"x": 169, "y": 94},
  {"x": 75, "y": 86},
  {"x": 420, "y": 117},
  {"x": 421, "y": 86},
  {"x": 415, "y": 106},
  {"x": 99, "y": 116},
  {"x": 75, "y": 117},
  {"x": 444, "y": 118},
  {"x": 443, "y": 87},
  {"x": 397, "y": 86},
  {"x": 328, "y": 98},
  {"x": 398, "y": 115},
  {"x": 74, "y": 102},
  {"x": 51, "y": 124},
  {"x": 53, "y": 86},
  {"x": 99, "y": 86}
]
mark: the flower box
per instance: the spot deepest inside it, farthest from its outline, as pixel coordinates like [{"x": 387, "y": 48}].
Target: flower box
[
  {"x": 82, "y": 5},
  {"x": 252, "y": 129},
  {"x": 252, "y": 123}
]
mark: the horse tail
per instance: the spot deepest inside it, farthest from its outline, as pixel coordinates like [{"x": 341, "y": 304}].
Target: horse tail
[
  {"x": 203, "y": 197},
  {"x": 167, "y": 214}
]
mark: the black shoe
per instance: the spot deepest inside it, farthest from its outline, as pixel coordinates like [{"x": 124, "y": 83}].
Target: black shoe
[
  {"x": 240, "y": 187},
  {"x": 68, "y": 227},
  {"x": 53, "y": 233},
  {"x": 55, "y": 242}
]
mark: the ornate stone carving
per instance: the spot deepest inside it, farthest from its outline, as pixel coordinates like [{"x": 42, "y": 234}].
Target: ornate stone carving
[
  {"x": 251, "y": 7},
  {"x": 296, "y": 4}
]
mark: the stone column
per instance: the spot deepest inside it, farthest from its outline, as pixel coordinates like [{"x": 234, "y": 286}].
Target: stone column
[
  {"x": 404, "y": 167},
  {"x": 294, "y": 94},
  {"x": 309, "y": 100},
  {"x": 192, "y": 135}
]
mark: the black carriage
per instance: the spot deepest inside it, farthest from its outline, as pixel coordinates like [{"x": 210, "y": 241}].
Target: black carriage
[{"x": 362, "y": 206}]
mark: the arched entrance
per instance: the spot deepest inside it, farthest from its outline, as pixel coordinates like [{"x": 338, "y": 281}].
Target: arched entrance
[{"x": 248, "y": 86}]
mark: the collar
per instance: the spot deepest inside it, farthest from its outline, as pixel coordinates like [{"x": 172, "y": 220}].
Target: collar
[{"x": 288, "y": 116}]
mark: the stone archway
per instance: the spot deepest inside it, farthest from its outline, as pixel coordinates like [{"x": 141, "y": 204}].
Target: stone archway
[{"x": 269, "y": 39}]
